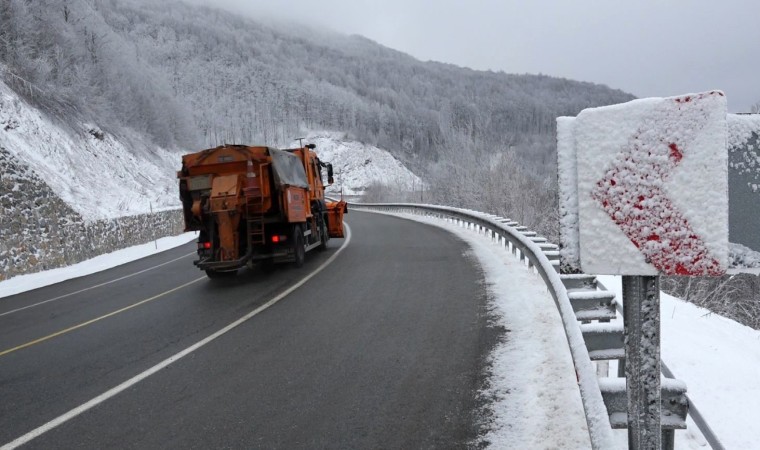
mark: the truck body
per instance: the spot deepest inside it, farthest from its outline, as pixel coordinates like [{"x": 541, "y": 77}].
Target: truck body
[{"x": 256, "y": 205}]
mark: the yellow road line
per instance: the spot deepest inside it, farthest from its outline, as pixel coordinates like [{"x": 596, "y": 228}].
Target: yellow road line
[{"x": 97, "y": 319}]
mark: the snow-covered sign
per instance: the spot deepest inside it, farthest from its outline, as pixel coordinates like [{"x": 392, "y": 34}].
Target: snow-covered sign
[
  {"x": 643, "y": 187},
  {"x": 744, "y": 192}
]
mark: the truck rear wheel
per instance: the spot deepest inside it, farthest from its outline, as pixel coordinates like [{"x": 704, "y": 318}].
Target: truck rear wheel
[
  {"x": 323, "y": 235},
  {"x": 299, "y": 250}
]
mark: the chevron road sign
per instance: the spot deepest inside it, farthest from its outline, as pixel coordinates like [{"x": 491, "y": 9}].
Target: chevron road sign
[{"x": 650, "y": 184}]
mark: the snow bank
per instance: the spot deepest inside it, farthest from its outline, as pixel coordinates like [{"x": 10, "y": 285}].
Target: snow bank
[
  {"x": 38, "y": 231},
  {"x": 72, "y": 192},
  {"x": 100, "y": 263},
  {"x": 536, "y": 400}
]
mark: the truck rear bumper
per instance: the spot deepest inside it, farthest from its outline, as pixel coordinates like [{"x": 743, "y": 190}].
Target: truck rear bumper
[
  {"x": 220, "y": 265},
  {"x": 205, "y": 264}
]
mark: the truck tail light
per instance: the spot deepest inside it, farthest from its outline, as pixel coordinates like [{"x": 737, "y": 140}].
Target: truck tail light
[{"x": 204, "y": 245}]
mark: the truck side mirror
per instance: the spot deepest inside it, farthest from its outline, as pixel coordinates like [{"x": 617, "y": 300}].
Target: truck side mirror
[{"x": 330, "y": 179}]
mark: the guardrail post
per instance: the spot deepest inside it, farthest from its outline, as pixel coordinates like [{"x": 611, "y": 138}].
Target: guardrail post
[{"x": 641, "y": 315}]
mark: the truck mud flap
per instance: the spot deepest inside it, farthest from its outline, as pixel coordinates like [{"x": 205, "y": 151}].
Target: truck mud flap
[{"x": 335, "y": 211}]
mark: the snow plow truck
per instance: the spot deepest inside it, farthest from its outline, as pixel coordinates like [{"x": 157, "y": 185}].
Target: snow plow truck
[{"x": 257, "y": 205}]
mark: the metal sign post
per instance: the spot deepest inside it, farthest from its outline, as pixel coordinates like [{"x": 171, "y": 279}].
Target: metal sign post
[{"x": 641, "y": 315}]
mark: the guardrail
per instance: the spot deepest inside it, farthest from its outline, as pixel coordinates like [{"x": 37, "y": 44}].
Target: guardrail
[{"x": 543, "y": 257}]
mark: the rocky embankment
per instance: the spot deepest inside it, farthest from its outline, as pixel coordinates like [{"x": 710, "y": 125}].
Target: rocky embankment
[{"x": 38, "y": 231}]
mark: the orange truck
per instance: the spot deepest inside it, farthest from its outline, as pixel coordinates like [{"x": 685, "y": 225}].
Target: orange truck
[{"x": 257, "y": 205}]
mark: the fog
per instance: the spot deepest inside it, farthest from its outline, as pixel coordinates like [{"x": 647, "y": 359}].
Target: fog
[{"x": 647, "y": 48}]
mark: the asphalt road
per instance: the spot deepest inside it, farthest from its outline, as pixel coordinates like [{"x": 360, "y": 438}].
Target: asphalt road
[{"x": 384, "y": 348}]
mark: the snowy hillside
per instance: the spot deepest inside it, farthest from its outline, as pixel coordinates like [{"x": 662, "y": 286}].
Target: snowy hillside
[
  {"x": 358, "y": 165},
  {"x": 103, "y": 176},
  {"x": 99, "y": 175}
]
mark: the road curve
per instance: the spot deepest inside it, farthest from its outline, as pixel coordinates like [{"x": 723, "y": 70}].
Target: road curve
[{"x": 384, "y": 348}]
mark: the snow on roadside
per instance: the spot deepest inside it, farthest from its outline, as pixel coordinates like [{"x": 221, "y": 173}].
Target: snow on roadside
[
  {"x": 22, "y": 283},
  {"x": 537, "y": 403},
  {"x": 719, "y": 359}
]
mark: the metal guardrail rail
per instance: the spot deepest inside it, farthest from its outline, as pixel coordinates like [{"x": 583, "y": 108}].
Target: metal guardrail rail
[{"x": 544, "y": 259}]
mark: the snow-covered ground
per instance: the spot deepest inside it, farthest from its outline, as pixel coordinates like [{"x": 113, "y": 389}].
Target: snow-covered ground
[
  {"x": 99, "y": 175},
  {"x": 358, "y": 165},
  {"x": 537, "y": 403},
  {"x": 719, "y": 360}
]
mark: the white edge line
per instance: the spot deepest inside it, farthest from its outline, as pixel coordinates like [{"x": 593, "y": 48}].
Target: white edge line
[
  {"x": 163, "y": 364},
  {"x": 91, "y": 287}
]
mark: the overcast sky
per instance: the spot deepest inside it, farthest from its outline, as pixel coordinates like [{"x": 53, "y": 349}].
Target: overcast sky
[{"x": 645, "y": 47}]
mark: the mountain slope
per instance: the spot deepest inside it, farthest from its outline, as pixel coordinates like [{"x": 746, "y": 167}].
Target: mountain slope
[
  {"x": 247, "y": 79},
  {"x": 99, "y": 174},
  {"x": 359, "y": 166}
]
